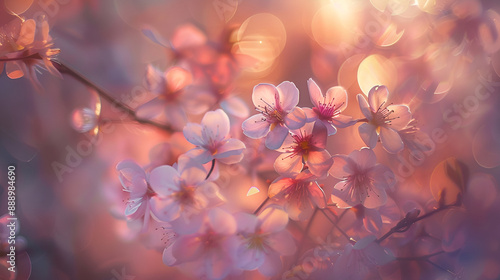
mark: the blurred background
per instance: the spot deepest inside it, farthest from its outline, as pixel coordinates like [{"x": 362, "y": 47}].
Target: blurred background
[{"x": 440, "y": 58}]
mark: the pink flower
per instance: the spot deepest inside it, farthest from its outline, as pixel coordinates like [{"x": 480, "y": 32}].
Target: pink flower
[
  {"x": 278, "y": 113},
  {"x": 135, "y": 182},
  {"x": 327, "y": 108},
  {"x": 182, "y": 193},
  {"x": 212, "y": 140},
  {"x": 169, "y": 87},
  {"x": 384, "y": 120},
  {"x": 306, "y": 146},
  {"x": 265, "y": 239},
  {"x": 358, "y": 260},
  {"x": 363, "y": 180},
  {"x": 300, "y": 194},
  {"x": 211, "y": 250},
  {"x": 29, "y": 47}
]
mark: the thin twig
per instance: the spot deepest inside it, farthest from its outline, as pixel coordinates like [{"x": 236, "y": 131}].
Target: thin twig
[
  {"x": 211, "y": 169},
  {"x": 261, "y": 205}
]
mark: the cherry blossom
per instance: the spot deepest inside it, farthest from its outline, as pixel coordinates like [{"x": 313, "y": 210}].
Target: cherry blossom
[
  {"x": 358, "y": 260},
  {"x": 168, "y": 86},
  {"x": 135, "y": 181},
  {"x": 265, "y": 239},
  {"x": 300, "y": 194},
  {"x": 212, "y": 139},
  {"x": 211, "y": 249},
  {"x": 383, "y": 120},
  {"x": 182, "y": 191},
  {"x": 363, "y": 180},
  {"x": 328, "y": 107},
  {"x": 278, "y": 113},
  {"x": 305, "y": 146}
]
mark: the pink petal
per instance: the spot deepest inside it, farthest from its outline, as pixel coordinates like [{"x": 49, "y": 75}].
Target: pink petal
[
  {"x": 288, "y": 163},
  {"x": 373, "y": 197},
  {"x": 216, "y": 125},
  {"x": 14, "y": 70},
  {"x": 256, "y": 126},
  {"x": 369, "y": 134},
  {"x": 271, "y": 266},
  {"x": 27, "y": 33},
  {"x": 276, "y": 137},
  {"x": 319, "y": 162},
  {"x": 246, "y": 222},
  {"x": 377, "y": 97},
  {"x": 155, "y": 80},
  {"x": 132, "y": 178},
  {"x": 217, "y": 265},
  {"x": 191, "y": 171},
  {"x": 282, "y": 242},
  {"x": 315, "y": 93},
  {"x": 342, "y": 121},
  {"x": 166, "y": 209},
  {"x": 279, "y": 185},
  {"x": 164, "y": 180},
  {"x": 401, "y": 116},
  {"x": 178, "y": 78},
  {"x": 340, "y": 196},
  {"x": 199, "y": 154},
  {"x": 192, "y": 133},
  {"x": 186, "y": 248},
  {"x": 364, "y": 158},
  {"x": 272, "y": 219},
  {"x": 151, "y": 109},
  {"x": 348, "y": 193},
  {"x": 230, "y": 148},
  {"x": 310, "y": 114},
  {"x": 288, "y": 95},
  {"x": 265, "y": 95},
  {"x": 340, "y": 168},
  {"x": 317, "y": 195},
  {"x": 338, "y": 96},
  {"x": 299, "y": 209},
  {"x": 188, "y": 36},
  {"x": 365, "y": 109},
  {"x": 320, "y": 134},
  {"x": 382, "y": 176},
  {"x": 231, "y": 158},
  {"x": 295, "y": 119},
  {"x": 391, "y": 140},
  {"x": 248, "y": 258},
  {"x": 372, "y": 220},
  {"x": 331, "y": 129},
  {"x": 167, "y": 256},
  {"x": 187, "y": 223},
  {"x": 221, "y": 221}
]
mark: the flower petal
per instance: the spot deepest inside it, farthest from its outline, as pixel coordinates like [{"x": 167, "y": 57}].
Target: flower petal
[
  {"x": 288, "y": 163},
  {"x": 271, "y": 266},
  {"x": 317, "y": 195},
  {"x": 295, "y": 119},
  {"x": 221, "y": 221},
  {"x": 391, "y": 140},
  {"x": 199, "y": 154},
  {"x": 288, "y": 95},
  {"x": 186, "y": 248},
  {"x": 337, "y": 96},
  {"x": 365, "y": 108},
  {"x": 364, "y": 158},
  {"x": 276, "y": 137},
  {"x": 310, "y": 114},
  {"x": 315, "y": 93},
  {"x": 282, "y": 242},
  {"x": 369, "y": 134},
  {"x": 246, "y": 222},
  {"x": 231, "y": 147},
  {"x": 377, "y": 97},
  {"x": 164, "y": 180},
  {"x": 320, "y": 134},
  {"x": 342, "y": 121},
  {"x": 215, "y": 125},
  {"x": 192, "y": 133},
  {"x": 279, "y": 185},
  {"x": 166, "y": 209},
  {"x": 178, "y": 78},
  {"x": 265, "y": 95},
  {"x": 319, "y": 162},
  {"x": 272, "y": 219},
  {"x": 256, "y": 126},
  {"x": 341, "y": 167},
  {"x": 401, "y": 116}
]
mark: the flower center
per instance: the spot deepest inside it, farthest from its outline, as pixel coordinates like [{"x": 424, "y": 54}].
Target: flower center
[
  {"x": 327, "y": 111},
  {"x": 272, "y": 113},
  {"x": 382, "y": 116}
]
